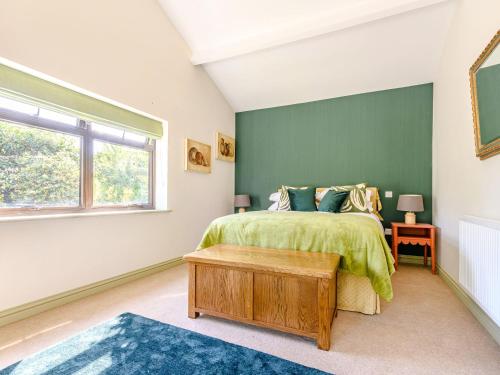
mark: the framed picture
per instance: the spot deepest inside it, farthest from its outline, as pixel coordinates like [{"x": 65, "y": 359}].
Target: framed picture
[
  {"x": 197, "y": 157},
  {"x": 226, "y": 147}
]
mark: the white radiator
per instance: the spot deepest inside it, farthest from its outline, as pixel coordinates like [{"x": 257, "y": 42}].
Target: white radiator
[{"x": 480, "y": 263}]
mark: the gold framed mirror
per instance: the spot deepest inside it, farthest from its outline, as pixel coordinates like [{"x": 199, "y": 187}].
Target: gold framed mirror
[{"x": 485, "y": 91}]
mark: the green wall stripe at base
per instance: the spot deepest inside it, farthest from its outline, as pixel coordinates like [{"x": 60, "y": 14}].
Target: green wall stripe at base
[
  {"x": 413, "y": 259},
  {"x": 483, "y": 318},
  {"x": 26, "y": 310}
]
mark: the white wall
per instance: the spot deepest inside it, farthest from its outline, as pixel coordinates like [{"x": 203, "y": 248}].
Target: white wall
[
  {"x": 463, "y": 184},
  {"x": 128, "y": 51}
]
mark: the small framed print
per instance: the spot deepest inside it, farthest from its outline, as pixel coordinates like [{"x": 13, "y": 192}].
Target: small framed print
[
  {"x": 197, "y": 157},
  {"x": 226, "y": 147}
]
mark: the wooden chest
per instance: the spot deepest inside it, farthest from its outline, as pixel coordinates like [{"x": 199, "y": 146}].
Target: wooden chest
[{"x": 291, "y": 291}]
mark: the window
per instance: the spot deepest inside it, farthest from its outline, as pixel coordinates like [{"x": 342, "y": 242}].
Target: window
[
  {"x": 121, "y": 175},
  {"x": 53, "y": 161}
]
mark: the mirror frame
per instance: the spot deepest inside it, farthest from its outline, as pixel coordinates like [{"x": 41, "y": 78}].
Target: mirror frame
[{"x": 483, "y": 151}]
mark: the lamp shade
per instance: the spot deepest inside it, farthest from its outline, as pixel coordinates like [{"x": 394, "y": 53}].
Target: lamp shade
[
  {"x": 242, "y": 200},
  {"x": 411, "y": 203}
]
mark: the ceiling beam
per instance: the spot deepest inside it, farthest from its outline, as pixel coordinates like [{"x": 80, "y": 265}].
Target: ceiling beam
[{"x": 293, "y": 32}]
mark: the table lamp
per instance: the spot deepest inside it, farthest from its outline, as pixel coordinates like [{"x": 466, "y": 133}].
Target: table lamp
[
  {"x": 241, "y": 201},
  {"x": 410, "y": 203}
]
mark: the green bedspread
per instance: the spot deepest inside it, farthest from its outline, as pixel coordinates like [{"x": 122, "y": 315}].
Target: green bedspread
[{"x": 357, "y": 239}]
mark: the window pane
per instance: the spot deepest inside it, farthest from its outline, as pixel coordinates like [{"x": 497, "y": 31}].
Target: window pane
[
  {"x": 18, "y": 106},
  {"x": 107, "y": 130},
  {"x": 134, "y": 138},
  {"x": 121, "y": 175},
  {"x": 56, "y": 116},
  {"x": 38, "y": 168}
]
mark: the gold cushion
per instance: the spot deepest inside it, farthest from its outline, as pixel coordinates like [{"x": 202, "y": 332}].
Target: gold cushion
[{"x": 376, "y": 203}]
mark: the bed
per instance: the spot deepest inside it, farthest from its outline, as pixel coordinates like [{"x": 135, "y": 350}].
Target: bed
[{"x": 366, "y": 265}]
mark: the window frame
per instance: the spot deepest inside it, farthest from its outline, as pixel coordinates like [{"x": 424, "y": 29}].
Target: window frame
[{"x": 83, "y": 129}]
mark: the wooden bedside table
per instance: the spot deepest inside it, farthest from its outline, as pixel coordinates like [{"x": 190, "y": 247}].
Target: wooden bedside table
[{"x": 415, "y": 234}]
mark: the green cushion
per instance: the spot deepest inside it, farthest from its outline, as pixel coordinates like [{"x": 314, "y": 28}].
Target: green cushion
[
  {"x": 302, "y": 199},
  {"x": 332, "y": 201}
]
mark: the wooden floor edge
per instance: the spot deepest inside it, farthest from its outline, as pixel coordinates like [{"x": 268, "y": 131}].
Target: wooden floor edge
[
  {"x": 26, "y": 310},
  {"x": 488, "y": 324}
]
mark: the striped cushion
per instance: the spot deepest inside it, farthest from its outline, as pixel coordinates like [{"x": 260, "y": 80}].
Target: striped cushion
[
  {"x": 374, "y": 198},
  {"x": 284, "y": 202},
  {"x": 356, "y": 200}
]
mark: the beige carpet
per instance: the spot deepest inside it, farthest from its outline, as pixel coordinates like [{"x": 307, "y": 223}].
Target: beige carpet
[{"x": 425, "y": 330}]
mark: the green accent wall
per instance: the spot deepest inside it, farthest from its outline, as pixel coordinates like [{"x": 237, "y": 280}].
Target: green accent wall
[
  {"x": 488, "y": 98},
  {"x": 383, "y": 138}
]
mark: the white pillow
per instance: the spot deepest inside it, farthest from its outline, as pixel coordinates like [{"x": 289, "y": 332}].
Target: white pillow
[
  {"x": 275, "y": 197},
  {"x": 273, "y": 207}
]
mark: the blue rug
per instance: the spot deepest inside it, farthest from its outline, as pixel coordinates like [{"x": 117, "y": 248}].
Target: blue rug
[{"x": 132, "y": 344}]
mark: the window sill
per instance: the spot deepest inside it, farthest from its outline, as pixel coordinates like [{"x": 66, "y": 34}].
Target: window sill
[{"x": 79, "y": 214}]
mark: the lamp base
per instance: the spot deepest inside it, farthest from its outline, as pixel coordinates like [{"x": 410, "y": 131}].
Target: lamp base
[
  {"x": 410, "y": 218},
  {"x": 241, "y": 210}
]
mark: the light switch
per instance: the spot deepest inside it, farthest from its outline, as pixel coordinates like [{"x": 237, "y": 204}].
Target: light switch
[
  {"x": 388, "y": 231},
  {"x": 388, "y": 194}
]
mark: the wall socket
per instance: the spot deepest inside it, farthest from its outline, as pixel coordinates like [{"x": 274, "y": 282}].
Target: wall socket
[
  {"x": 388, "y": 194},
  {"x": 388, "y": 231}
]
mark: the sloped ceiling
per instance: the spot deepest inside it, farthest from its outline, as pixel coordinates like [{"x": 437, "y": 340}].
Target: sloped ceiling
[{"x": 270, "y": 53}]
